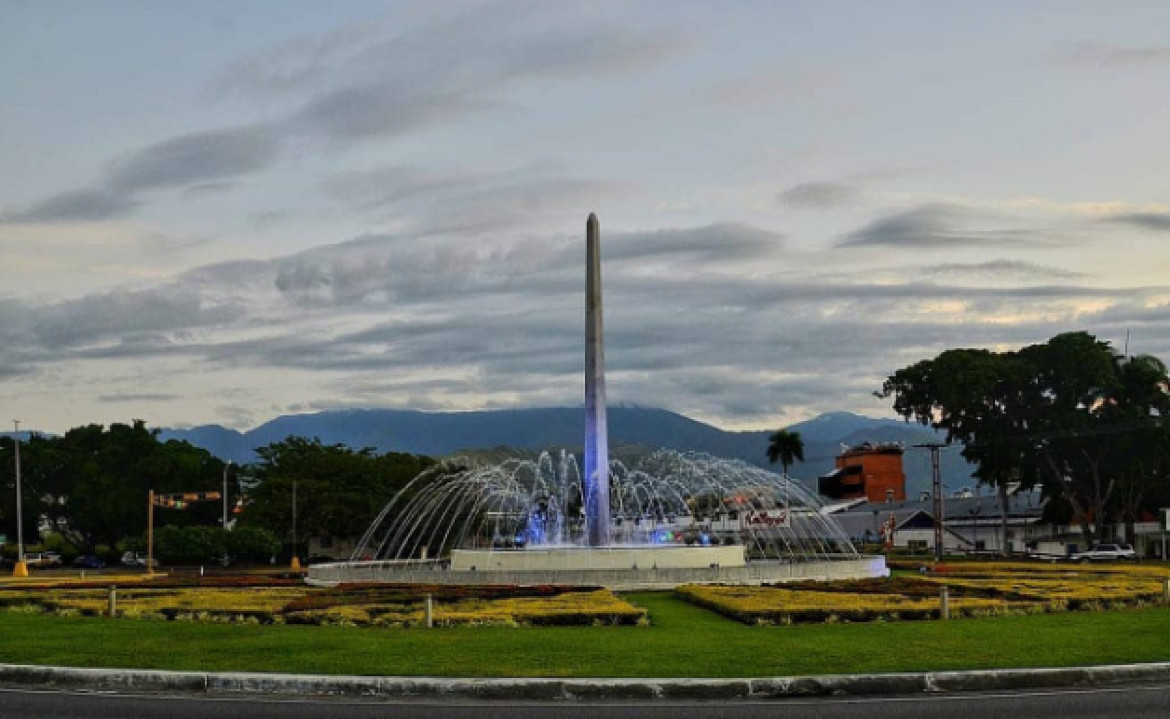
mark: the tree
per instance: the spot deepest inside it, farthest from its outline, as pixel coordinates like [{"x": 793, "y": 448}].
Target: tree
[
  {"x": 786, "y": 447},
  {"x": 1067, "y": 414},
  {"x": 92, "y": 483},
  {"x": 194, "y": 545},
  {"x": 979, "y": 398},
  {"x": 339, "y": 490},
  {"x": 252, "y": 544},
  {"x": 1138, "y": 456}
]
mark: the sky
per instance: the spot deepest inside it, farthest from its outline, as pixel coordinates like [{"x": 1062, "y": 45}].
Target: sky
[{"x": 222, "y": 212}]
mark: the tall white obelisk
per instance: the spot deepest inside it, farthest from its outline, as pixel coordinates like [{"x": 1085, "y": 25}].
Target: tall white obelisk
[{"x": 596, "y": 438}]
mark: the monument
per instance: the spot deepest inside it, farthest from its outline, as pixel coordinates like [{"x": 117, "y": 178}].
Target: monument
[
  {"x": 596, "y": 438},
  {"x": 674, "y": 518}
]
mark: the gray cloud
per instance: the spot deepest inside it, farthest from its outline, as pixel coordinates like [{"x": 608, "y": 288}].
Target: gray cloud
[
  {"x": 381, "y": 109},
  {"x": 402, "y": 268},
  {"x": 208, "y": 189},
  {"x": 139, "y": 397},
  {"x": 133, "y": 317},
  {"x": 362, "y": 84},
  {"x": 772, "y": 87},
  {"x": 449, "y": 67},
  {"x": 86, "y": 205},
  {"x": 200, "y": 161},
  {"x": 198, "y": 157},
  {"x": 1157, "y": 221},
  {"x": 406, "y": 319},
  {"x": 295, "y": 65},
  {"x": 1002, "y": 270},
  {"x": 725, "y": 240},
  {"x": 468, "y": 202},
  {"x": 816, "y": 195},
  {"x": 939, "y": 225},
  {"x": 1110, "y": 55}
]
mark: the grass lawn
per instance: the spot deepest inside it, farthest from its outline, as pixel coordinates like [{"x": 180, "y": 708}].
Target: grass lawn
[{"x": 682, "y": 641}]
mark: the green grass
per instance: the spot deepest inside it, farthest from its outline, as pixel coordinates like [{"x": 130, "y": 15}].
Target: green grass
[{"x": 682, "y": 641}]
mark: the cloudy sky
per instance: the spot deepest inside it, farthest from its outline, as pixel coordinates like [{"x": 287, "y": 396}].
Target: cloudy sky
[{"x": 223, "y": 211}]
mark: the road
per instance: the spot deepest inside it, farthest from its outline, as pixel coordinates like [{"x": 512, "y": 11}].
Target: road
[{"x": 1131, "y": 702}]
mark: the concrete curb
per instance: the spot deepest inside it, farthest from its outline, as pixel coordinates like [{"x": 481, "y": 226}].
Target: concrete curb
[{"x": 778, "y": 688}]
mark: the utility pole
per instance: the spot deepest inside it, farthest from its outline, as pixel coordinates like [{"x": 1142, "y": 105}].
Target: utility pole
[
  {"x": 296, "y": 561},
  {"x": 21, "y": 568},
  {"x": 150, "y": 533},
  {"x": 226, "y": 467},
  {"x": 936, "y": 490}
]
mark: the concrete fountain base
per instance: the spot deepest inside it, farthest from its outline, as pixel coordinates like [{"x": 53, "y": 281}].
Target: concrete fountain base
[
  {"x": 652, "y": 571},
  {"x": 598, "y": 558}
]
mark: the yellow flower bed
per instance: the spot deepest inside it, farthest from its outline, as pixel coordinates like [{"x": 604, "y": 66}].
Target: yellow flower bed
[
  {"x": 1034, "y": 588},
  {"x": 976, "y": 589},
  {"x": 774, "y": 604},
  {"x": 269, "y": 604},
  {"x": 1102, "y": 584},
  {"x": 972, "y": 569},
  {"x": 213, "y": 600},
  {"x": 597, "y": 607}
]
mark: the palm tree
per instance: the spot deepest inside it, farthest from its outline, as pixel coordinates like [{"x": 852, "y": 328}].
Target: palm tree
[{"x": 786, "y": 447}]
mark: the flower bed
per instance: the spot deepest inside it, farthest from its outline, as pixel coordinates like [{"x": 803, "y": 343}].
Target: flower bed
[
  {"x": 773, "y": 605},
  {"x": 360, "y": 605},
  {"x": 976, "y": 589}
]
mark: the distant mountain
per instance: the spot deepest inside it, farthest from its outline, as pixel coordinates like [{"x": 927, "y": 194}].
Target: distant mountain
[{"x": 440, "y": 434}]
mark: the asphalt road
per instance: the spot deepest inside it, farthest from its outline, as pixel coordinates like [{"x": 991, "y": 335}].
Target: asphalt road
[{"x": 1131, "y": 702}]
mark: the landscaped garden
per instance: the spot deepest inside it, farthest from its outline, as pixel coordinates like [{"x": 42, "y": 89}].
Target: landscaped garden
[{"x": 514, "y": 632}]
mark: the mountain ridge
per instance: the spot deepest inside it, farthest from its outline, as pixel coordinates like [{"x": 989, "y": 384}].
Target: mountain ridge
[{"x": 440, "y": 434}]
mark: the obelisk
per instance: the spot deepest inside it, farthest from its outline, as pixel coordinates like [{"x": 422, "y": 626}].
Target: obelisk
[{"x": 596, "y": 439}]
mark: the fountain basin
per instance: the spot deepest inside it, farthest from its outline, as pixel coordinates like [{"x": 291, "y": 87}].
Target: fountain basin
[
  {"x": 593, "y": 558},
  {"x": 622, "y": 579}
]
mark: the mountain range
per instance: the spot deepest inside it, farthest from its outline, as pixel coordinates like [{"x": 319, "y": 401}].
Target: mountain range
[{"x": 440, "y": 434}]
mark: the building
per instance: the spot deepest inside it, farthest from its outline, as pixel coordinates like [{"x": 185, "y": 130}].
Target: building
[
  {"x": 971, "y": 524},
  {"x": 870, "y": 471}
]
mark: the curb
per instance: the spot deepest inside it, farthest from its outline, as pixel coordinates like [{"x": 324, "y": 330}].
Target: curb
[{"x": 778, "y": 688}]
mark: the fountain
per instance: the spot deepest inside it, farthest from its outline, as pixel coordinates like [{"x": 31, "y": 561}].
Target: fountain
[{"x": 667, "y": 519}]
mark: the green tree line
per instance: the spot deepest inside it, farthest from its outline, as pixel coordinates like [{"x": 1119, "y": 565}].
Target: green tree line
[
  {"x": 91, "y": 487},
  {"x": 1088, "y": 425}
]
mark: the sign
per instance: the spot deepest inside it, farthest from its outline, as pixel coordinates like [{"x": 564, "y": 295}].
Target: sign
[
  {"x": 181, "y": 500},
  {"x": 768, "y": 518},
  {"x": 1165, "y": 520}
]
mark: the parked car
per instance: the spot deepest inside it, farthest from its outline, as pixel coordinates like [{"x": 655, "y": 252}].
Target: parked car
[
  {"x": 1105, "y": 553},
  {"x": 42, "y": 560},
  {"x": 136, "y": 559},
  {"x": 88, "y": 561}
]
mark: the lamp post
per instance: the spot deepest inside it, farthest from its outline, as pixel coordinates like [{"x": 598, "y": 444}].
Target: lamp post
[
  {"x": 21, "y": 568},
  {"x": 296, "y": 562},
  {"x": 226, "y": 467}
]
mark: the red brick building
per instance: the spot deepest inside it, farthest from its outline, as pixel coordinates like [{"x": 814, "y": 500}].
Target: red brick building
[{"x": 868, "y": 471}]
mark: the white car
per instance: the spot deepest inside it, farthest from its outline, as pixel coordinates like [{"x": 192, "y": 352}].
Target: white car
[
  {"x": 1105, "y": 553},
  {"x": 136, "y": 559},
  {"x": 42, "y": 559}
]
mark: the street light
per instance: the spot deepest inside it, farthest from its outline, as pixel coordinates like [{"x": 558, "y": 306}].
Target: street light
[{"x": 21, "y": 568}]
